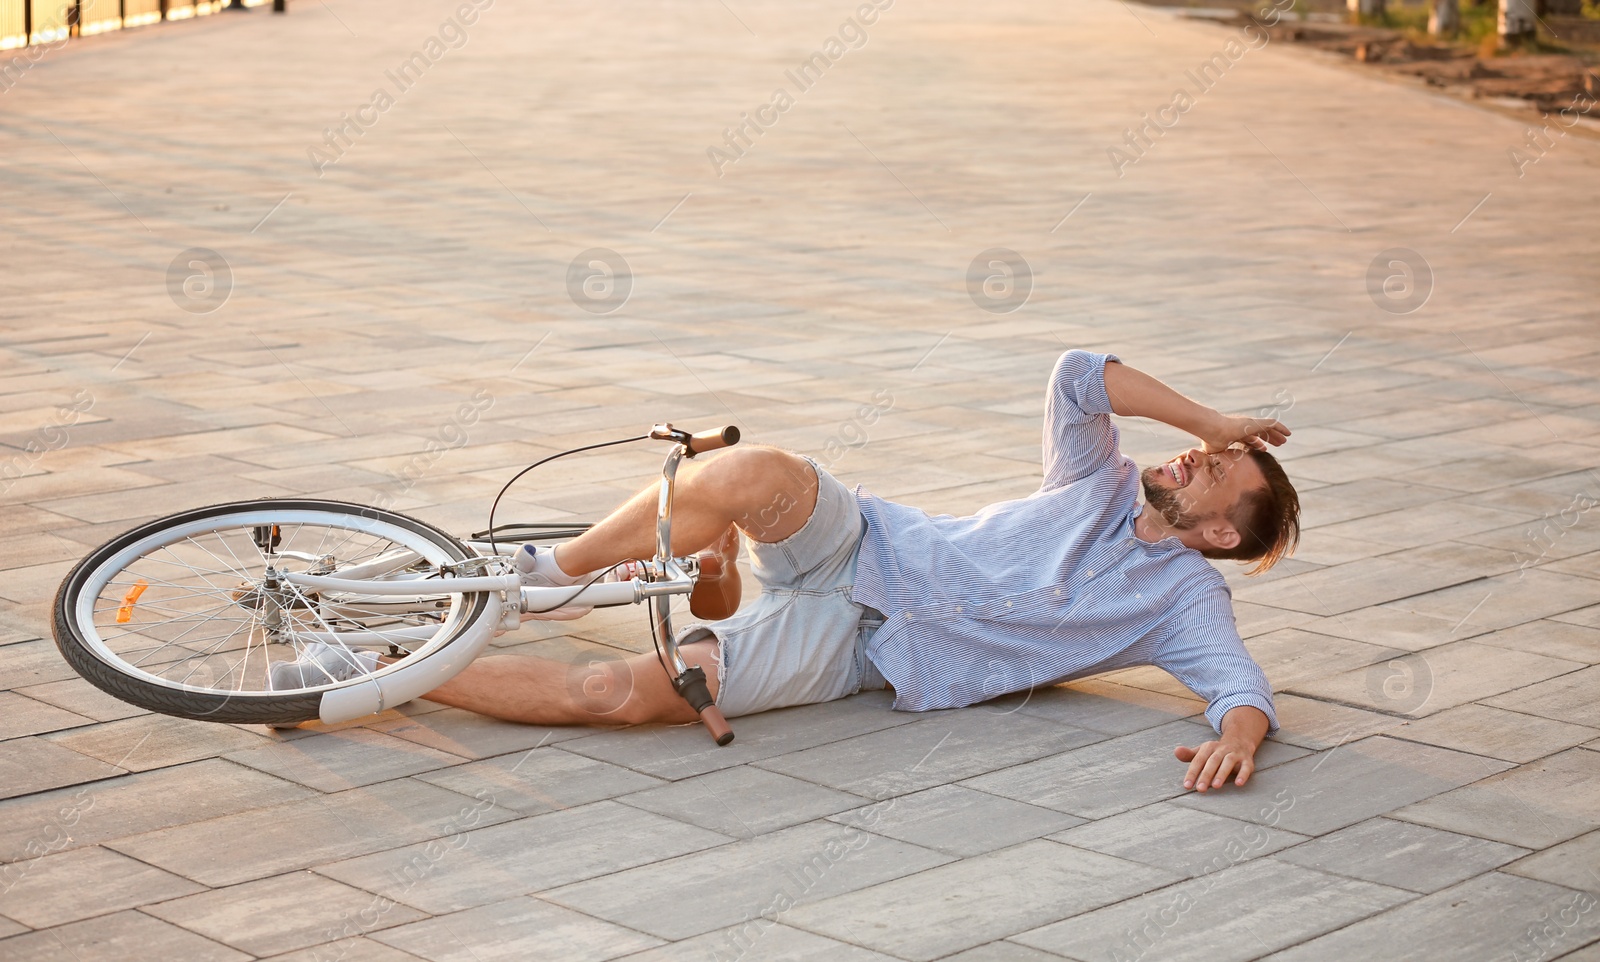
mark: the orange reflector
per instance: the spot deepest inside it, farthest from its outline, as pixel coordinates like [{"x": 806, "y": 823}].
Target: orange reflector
[{"x": 125, "y": 613}]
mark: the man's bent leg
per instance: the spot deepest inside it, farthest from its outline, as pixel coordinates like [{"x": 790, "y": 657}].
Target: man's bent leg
[
  {"x": 769, "y": 493},
  {"x": 540, "y": 691}
]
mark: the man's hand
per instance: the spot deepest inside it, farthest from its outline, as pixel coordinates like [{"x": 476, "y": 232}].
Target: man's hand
[
  {"x": 1212, "y": 763},
  {"x": 1253, "y": 432},
  {"x": 1234, "y": 753},
  {"x": 1136, "y": 394}
]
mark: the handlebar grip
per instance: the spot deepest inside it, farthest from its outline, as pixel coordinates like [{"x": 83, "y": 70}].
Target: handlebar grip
[
  {"x": 712, "y": 439},
  {"x": 692, "y": 686},
  {"x": 711, "y": 717}
]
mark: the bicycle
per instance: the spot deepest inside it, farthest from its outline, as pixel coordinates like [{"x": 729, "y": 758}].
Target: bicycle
[{"x": 180, "y": 614}]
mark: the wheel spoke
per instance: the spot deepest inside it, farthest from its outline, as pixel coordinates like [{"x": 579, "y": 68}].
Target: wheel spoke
[
  {"x": 193, "y": 597},
  {"x": 243, "y": 571},
  {"x": 187, "y": 565},
  {"x": 173, "y": 641},
  {"x": 207, "y": 654},
  {"x": 327, "y": 627},
  {"x": 217, "y": 558},
  {"x": 197, "y": 572}
]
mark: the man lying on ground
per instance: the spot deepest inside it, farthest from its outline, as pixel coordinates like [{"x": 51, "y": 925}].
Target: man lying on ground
[{"x": 859, "y": 593}]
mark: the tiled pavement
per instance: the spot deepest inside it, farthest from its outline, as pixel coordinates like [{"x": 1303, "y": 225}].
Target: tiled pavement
[{"x": 1433, "y": 792}]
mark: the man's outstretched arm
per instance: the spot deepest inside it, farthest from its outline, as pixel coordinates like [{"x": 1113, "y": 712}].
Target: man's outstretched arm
[
  {"x": 1134, "y": 393},
  {"x": 1243, "y": 728}
]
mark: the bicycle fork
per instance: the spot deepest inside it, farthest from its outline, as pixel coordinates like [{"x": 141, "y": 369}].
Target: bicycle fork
[{"x": 689, "y": 681}]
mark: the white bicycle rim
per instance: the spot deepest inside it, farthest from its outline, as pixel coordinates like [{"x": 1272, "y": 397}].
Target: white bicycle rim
[{"x": 178, "y": 605}]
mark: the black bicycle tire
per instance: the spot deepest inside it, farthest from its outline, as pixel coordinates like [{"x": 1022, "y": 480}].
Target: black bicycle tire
[{"x": 235, "y": 708}]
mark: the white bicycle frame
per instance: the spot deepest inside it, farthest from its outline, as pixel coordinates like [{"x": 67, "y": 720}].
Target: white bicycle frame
[{"x": 664, "y": 577}]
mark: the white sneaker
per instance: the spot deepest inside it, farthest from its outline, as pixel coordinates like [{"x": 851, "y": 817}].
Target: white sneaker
[
  {"x": 320, "y": 664},
  {"x": 524, "y": 561}
]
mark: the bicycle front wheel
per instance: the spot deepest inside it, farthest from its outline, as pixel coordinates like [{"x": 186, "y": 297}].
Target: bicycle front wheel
[{"x": 186, "y": 615}]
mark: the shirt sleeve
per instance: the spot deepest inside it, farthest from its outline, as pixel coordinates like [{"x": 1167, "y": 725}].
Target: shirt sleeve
[
  {"x": 1204, "y": 651},
  {"x": 1078, "y": 434}
]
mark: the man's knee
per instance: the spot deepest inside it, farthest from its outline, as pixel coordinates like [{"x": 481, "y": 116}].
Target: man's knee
[
  {"x": 773, "y": 491},
  {"x": 761, "y": 467}
]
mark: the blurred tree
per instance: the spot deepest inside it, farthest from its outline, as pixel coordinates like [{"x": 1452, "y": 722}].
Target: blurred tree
[
  {"x": 1444, "y": 19},
  {"x": 1516, "y": 21}
]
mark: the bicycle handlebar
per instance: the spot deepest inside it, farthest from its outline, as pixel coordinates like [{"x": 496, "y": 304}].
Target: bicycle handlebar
[
  {"x": 712, "y": 439},
  {"x": 692, "y": 686},
  {"x": 711, "y": 717}
]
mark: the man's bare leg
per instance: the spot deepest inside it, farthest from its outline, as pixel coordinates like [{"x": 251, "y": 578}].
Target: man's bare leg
[
  {"x": 541, "y": 691},
  {"x": 767, "y": 493}
]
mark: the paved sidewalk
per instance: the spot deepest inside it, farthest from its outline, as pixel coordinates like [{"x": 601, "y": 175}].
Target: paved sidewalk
[{"x": 1360, "y": 257}]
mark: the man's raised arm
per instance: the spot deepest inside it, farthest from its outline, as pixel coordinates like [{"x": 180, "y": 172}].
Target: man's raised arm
[{"x": 1134, "y": 393}]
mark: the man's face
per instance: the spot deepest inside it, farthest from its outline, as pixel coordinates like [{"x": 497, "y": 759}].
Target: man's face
[{"x": 1195, "y": 486}]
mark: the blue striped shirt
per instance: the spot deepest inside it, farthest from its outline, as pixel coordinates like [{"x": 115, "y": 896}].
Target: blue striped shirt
[{"x": 1050, "y": 587}]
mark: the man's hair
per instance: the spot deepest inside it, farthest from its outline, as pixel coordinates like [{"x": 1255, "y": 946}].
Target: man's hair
[{"x": 1267, "y": 518}]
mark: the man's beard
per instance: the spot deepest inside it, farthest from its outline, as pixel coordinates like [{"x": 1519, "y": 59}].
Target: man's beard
[{"x": 1168, "y": 502}]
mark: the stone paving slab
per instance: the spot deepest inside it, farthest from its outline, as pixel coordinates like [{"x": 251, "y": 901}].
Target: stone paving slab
[
  {"x": 1228, "y": 917},
  {"x": 769, "y": 876},
  {"x": 743, "y": 802},
  {"x": 1508, "y": 735},
  {"x": 1535, "y": 805},
  {"x": 343, "y": 759},
  {"x": 1589, "y": 954},
  {"x": 1314, "y": 724},
  {"x": 1489, "y": 917},
  {"x": 156, "y": 741},
  {"x": 1111, "y": 776},
  {"x": 122, "y": 935},
  {"x": 89, "y": 814},
  {"x": 1394, "y": 629},
  {"x": 1433, "y": 642},
  {"x": 20, "y": 715},
  {"x": 982, "y": 899},
  {"x": 1553, "y": 638},
  {"x": 540, "y": 780},
  {"x": 680, "y": 752},
  {"x": 957, "y": 821},
  {"x": 348, "y": 950},
  {"x": 1402, "y": 855},
  {"x": 527, "y": 855},
  {"x": 1589, "y": 617},
  {"x": 943, "y": 747},
  {"x": 759, "y": 939},
  {"x": 1316, "y": 794},
  {"x": 1099, "y": 706},
  {"x": 312, "y": 831},
  {"x": 1566, "y": 698},
  {"x": 85, "y": 883},
  {"x": 275, "y": 915},
  {"x": 1456, "y": 674},
  {"x": 1180, "y": 840},
  {"x": 1574, "y": 864},
  {"x": 519, "y": 928}
]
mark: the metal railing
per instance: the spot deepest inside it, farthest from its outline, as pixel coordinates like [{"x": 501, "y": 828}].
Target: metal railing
[{"x": 36, "y": 23}]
